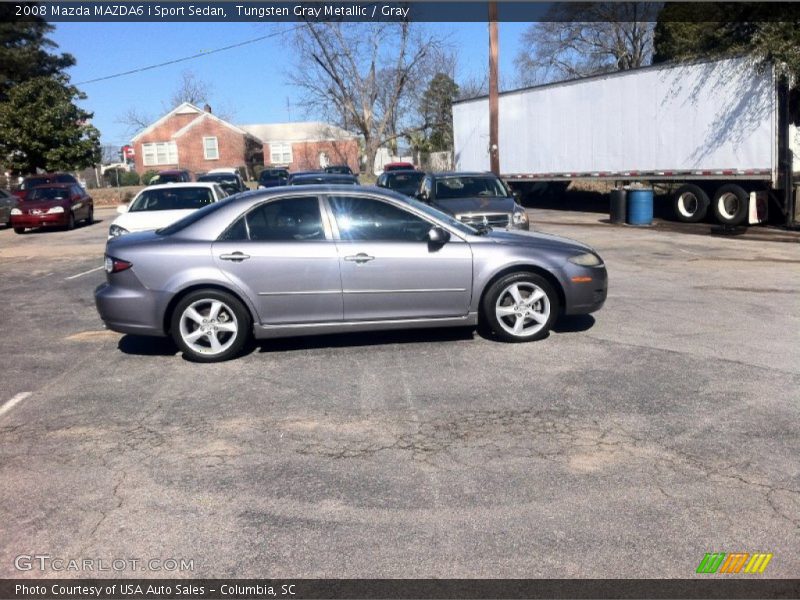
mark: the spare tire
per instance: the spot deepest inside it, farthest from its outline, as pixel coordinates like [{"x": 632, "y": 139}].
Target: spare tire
[{"x": 690, "y": 203}]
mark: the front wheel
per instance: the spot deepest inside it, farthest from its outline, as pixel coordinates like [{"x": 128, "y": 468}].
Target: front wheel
[
  {"x": 70, "y": 221},
  {"x": 210, "y": 326},
  {"x": 90, "y": 217},
  {"x": 19, "y": 230},
  {"x": 521, "y": 307}
]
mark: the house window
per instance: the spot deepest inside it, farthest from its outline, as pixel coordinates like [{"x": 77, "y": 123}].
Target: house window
[
  {"x": 160, "y": 153},
  {"x": 210, "y": 149},
  {"x": 280, "y": 153}
]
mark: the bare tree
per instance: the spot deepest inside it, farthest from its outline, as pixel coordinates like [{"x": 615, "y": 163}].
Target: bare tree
[
  {"x": 581, "y": 39},
  {"x": 134, "y": 121},
  {"x": 363, "y": 76},
  {"x": 190, "y": 89}
]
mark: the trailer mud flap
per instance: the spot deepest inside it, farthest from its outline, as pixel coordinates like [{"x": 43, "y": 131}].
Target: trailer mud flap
[{"x": 757, "y": 211}]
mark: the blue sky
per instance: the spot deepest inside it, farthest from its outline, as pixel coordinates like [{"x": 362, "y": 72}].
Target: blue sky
[{"x": 248, "y": 83}]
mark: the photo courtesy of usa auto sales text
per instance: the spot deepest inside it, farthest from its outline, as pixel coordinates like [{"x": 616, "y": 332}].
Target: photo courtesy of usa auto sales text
[{"x": 156, "y": 591}]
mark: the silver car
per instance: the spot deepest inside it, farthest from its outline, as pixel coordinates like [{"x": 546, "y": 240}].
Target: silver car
[{"x": 323, "y": 259}]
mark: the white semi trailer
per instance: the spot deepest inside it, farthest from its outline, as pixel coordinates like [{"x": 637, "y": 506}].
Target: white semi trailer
[{"x": 719, "y": 131}]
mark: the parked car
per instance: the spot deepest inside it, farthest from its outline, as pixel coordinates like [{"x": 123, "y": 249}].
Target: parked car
[
  {"x": 339, "y": 169},
  {"x": 478, "y": 199},
  {"x": 8, "y": 202},
  {"x": 402, "y": 182},
  {"x": 36, "y": 180},
  {"x": 323, "y": 259},
  {"x": 171, "y": 176},
  {"x": 53, "y": 205},
  {"x": 398, "y": 166},
  {"x": 157, "y": 206},
  {"x": 302, "y": 174},
  {"x": 272, "y": 177},
  {"x": 230, "y": 182},
  {"x": 323, "y": 178}
]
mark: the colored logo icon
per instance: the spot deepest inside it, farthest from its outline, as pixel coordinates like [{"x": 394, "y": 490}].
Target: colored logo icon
[{"x": 734, "y": 562}]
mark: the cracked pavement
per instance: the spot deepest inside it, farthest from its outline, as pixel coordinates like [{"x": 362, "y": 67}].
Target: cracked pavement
[{"x": 626, "y": 444}]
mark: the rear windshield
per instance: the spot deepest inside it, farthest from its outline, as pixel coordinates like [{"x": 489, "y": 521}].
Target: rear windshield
[
  {"x": 221, "y": 177},
  {"x": 273, "y": 174},
  {"x": 406, "y": 182},
  {"x": 32, "y": 182},
  {"x": 169, "y": 178},
  {"x": 49, "y": 194},
  {"x": 172, "y": 199}
]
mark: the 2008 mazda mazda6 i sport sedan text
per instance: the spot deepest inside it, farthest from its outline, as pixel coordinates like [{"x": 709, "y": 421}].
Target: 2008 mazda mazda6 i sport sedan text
[{"x": 319, "y": 259}]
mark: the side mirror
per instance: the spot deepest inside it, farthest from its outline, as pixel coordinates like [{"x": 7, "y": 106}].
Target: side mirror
[
  {"x": 517, "y": 194},
  {"x": 123, "y": 208},
  {"x": 421, "y": 196},
  {"x": 438, "y": 236}
]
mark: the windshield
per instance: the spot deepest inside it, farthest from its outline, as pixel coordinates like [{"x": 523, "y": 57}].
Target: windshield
[
  {"x": 470, "y": 187},
  {"x": 49, "y": 194},
  {"x": 442, "y": 216},
  {"x": 273, "y": 174},
  {"x": 172, "y": 199},
  {"x": 406, "y": 183}
]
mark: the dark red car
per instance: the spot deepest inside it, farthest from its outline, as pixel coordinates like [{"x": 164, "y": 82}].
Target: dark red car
[
  {"x": 45, "y": 178},
  {"x": 53, "y": 205},
  {"x": 398, "y": 166}
]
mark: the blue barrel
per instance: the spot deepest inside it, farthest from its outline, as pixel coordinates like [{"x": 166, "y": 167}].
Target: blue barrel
[{"x": 640, "y": 206}]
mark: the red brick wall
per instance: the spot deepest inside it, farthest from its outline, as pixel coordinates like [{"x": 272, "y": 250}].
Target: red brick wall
[
  {"x": 230, "y": 145},
  {"x": 305, "y": 155}
]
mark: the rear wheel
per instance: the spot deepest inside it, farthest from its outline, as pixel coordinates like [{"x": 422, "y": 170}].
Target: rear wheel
[
  {"x": 690, "y": 203},
  {"x": 731, "y": 203},
  {"x": 210, "y": 326},
  {"x": 90, "y": 217},
  {"x": 520, "y": 307}
]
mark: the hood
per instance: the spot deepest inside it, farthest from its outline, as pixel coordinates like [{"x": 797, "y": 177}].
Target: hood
[
  {"x": 538, "y": 240},
  {"x": 149, "y": 220},
  {"x": 479, "y": 204}
]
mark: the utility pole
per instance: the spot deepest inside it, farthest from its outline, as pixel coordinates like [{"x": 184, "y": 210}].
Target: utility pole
[{"x": 494, "y": 150}]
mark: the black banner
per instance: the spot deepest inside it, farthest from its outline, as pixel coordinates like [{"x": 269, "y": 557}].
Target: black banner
[{"x": 396, "y": 589}]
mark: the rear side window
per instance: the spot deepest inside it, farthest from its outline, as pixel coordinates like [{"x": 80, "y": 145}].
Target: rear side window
[{"x": 286, "y": 220}]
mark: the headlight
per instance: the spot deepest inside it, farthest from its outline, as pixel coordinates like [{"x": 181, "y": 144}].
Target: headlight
[
  {"x": 520, "y": 217},
  {"x": 589, "y": 259},
  {"x": 116, "y": 231},
  {"x": 55, "y": 210},
  {"x": 16, "y": 211}
]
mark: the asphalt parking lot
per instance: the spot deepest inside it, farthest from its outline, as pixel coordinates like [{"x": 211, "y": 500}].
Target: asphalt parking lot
[{"x": 626, "y": 444}]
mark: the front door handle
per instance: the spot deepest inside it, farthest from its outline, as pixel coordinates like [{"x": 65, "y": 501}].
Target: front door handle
[
  {"x": 359, "y": 258},
  {"x": 235, "y": 257}
]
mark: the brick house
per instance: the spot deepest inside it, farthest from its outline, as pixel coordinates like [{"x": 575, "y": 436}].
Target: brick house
[{"x": 191, "y": 138}]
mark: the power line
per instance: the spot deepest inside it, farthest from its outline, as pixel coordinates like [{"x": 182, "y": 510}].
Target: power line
[{"x": 185, "y": 58}]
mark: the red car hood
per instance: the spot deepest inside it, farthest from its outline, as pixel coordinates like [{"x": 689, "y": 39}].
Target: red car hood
[{"x": 42, "y": 205}]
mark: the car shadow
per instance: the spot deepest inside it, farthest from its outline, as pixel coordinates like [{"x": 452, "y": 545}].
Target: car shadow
[
  {"x": 368, "y": 338},
  {"x": 574, "y": 323},
  {"x": 143, "y": 345}
]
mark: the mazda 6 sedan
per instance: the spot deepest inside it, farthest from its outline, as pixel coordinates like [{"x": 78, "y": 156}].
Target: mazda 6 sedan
[{"x": 322, "y": 259}]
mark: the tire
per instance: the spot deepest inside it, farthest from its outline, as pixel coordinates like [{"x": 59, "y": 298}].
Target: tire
[
  {"x": 513, "y": 321},
  {"x": 731, "y": 204},
  {"x": 690, "y": 203},
  {"x": 71, "y": 221},
  {"x": 19, "y": 230},
  {"x": 90, "y": 217},
  {"x": 188, "y": 329}
]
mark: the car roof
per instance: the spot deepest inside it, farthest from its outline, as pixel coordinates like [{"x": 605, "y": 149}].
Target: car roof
[
  {"x": 223, "y": 170},
  {"x": 183, "y": 184}
]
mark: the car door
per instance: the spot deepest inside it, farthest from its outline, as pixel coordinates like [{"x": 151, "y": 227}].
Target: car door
[
  {"x": 281, "y": 253},
  {"x": 389, "y": 268}
]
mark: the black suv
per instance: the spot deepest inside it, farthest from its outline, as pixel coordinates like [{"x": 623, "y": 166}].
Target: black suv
[{"x": 273, "y": 177}]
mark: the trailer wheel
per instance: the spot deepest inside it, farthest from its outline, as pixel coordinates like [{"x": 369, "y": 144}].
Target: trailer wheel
[
  {"x": 731, "y": 203},
  {"x": 691, "y": 203}
]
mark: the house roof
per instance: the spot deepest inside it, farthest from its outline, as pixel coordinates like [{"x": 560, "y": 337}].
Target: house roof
[
  {"x": 183, "y": 109},
  {"x": 297, "y": 132}
]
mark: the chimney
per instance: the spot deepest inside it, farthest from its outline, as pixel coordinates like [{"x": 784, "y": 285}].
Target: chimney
[{"x": 207, "y": 108}]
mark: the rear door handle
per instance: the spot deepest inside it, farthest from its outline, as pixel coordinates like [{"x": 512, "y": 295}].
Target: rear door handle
[
  {"x": 359, "y": 258},
  {"x": 235, "y": 257}
]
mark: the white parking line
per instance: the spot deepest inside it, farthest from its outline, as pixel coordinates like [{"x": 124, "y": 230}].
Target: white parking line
[
  {"x": 13, "y": 402},
  {"x": 84, "y": 273}
]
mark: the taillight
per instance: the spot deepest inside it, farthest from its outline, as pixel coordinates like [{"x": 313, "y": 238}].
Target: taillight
[{"x": 115, "y": 265}]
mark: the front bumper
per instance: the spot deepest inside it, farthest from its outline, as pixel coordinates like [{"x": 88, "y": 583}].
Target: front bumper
[
  {"x": 585, "y": 290},
  {"x": 42, "y": 220}
]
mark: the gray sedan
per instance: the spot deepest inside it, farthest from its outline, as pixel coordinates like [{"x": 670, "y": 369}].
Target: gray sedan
[{"x": 323, "y": 259}]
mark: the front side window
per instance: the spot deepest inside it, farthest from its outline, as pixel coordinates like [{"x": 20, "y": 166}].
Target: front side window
[
  {"x": 368, "y": 219},
  {"x": 210, "y": 148},
  {"x": 160, "y": 153},
  {"x": 285, "y": 220}
]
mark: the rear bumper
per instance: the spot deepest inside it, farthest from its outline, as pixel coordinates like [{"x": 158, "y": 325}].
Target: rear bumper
[
  {"x": 43, "y": 220},
  {"x": 128, "y": 311}
]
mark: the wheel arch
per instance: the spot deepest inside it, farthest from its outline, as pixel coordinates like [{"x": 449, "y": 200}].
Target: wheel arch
[
  {"x": 525, "y": 268},
  {"x": 167, "y": 317}
]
